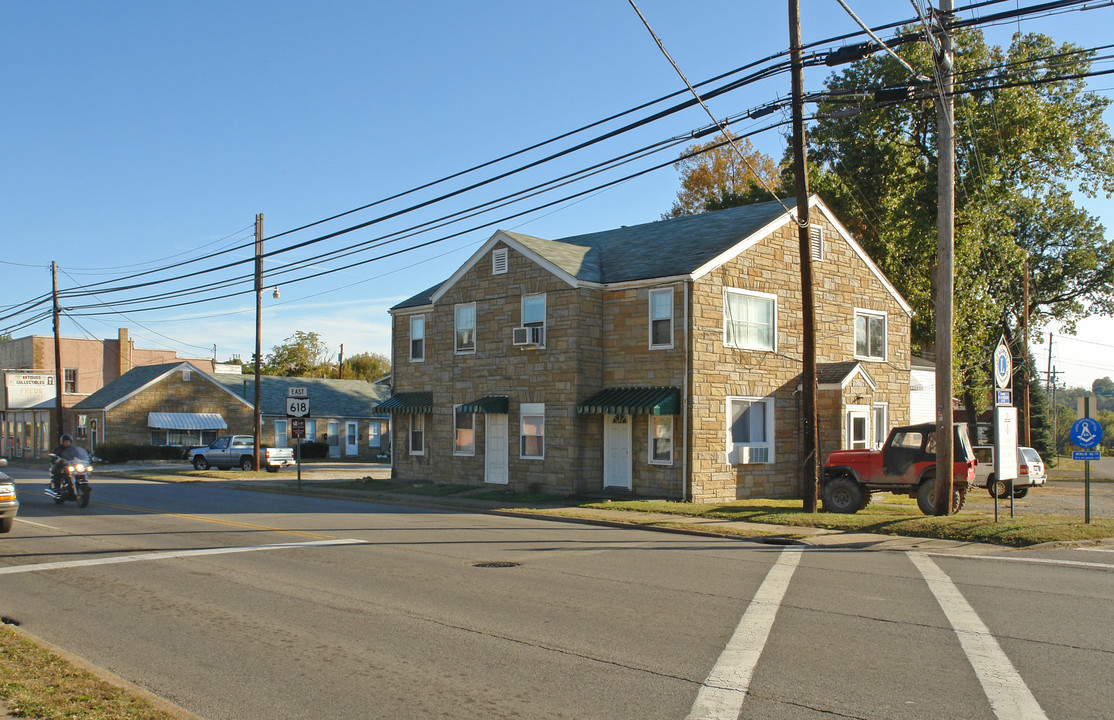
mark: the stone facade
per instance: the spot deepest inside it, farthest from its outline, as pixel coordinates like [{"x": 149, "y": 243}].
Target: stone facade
[{"x": 598, "y": 336}]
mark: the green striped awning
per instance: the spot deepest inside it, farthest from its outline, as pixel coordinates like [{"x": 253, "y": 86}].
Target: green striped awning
[
  {"x": 633, "y": 401},
  {"x": 495, "y": 404},
  {"x": 416, "y": 403}
]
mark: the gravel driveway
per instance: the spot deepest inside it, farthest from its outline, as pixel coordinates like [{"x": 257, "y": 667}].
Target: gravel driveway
[{"x": 1056, "y": 497}]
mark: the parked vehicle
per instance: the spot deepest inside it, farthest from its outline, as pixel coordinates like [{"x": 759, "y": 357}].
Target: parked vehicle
[
  {"x": 72, "y": 479},
  {"x": 1030, "y": 472},
  {"x": 239, "y": 451},
  {"x": 906, "y": 465},
  {"x": 9, "y": 504}
]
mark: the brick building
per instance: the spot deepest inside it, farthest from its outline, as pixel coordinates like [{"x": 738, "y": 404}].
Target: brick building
[
  {"x": 29, "y": 399},
  {"x": 661, "y": 359}
]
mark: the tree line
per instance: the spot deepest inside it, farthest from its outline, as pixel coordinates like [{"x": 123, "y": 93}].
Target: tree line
[{"x": 305, "y": 354}]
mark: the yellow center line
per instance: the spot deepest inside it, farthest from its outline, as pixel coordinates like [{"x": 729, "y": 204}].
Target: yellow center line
[{"x": 218, "y": 521}]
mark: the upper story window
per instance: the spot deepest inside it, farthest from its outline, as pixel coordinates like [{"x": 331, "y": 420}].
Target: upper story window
[
  {"x": 499, "y": 261},
  {"x": 750, "y": 430},
  {"x": 466, "y": 328},
  {"x": 417, "y": 338},
  {"x": 870, "y": 335},
  {"x": 69, "y": 380},
  {"x": 749, "y": 319},
  {"x": 661, "y": 318},
  {"x": 533, "y": 314}
]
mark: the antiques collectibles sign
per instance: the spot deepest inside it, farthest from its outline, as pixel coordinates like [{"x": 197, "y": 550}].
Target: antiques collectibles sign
[{"x": 28, "y": 390}]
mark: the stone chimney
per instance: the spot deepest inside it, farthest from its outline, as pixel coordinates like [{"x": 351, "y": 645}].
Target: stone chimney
[{"x": 125, "y": 351}]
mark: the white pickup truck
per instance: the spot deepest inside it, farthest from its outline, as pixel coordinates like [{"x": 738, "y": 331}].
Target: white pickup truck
[{"x": 238, "y": 450}]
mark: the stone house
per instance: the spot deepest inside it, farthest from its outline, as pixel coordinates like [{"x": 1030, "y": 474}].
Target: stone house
[
  {"x": 660, "y": 359},
  {"x": 177, "y": 404}
]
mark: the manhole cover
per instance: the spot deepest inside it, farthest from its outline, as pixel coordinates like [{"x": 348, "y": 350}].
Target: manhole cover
[{"x": 495, "y": 564}]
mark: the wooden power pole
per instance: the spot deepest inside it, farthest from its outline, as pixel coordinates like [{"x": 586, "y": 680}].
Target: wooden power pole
[
  {"x": 258, "y": 331},
  {"x": 945, "y": 266},
  {"x": 58, "y": 425},
  {"x": 810, "y": 465}
]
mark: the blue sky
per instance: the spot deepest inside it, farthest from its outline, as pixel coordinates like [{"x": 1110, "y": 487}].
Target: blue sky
[{"x": 138, "y": 135}]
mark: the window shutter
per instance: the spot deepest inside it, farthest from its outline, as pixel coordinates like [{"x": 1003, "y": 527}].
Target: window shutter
[{"x": 816, "y": 241}]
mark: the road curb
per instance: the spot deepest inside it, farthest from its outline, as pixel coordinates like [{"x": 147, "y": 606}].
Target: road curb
[{"x": 107, "y": 676}]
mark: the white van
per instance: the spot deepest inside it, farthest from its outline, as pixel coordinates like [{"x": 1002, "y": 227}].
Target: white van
[{"x": 1030, "y": 471}]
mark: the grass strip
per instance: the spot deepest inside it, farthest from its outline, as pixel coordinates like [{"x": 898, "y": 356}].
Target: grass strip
[{"x": 36, "y": 683}]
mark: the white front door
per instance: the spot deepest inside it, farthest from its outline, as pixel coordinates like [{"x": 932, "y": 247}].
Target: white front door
[
  {"x": 351, "y": 438},
  {"x": 858, "y": 427},
  {"x": 496, "y": 442},
  {"x": 617, "y": 451}
]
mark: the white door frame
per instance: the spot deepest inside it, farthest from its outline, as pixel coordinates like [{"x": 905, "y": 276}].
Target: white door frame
[
  {"x": 864, "y": 412},
  {"x": 618, "y": 459},
  {"x": 353, "y": 448},
  {"x": 496, "y": 448}
]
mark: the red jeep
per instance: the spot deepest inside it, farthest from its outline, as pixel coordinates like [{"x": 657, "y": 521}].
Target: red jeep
[{"x": 906, "y": 465}]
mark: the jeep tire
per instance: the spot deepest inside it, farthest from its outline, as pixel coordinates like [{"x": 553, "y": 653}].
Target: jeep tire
[{"x": 843, "y": 495}]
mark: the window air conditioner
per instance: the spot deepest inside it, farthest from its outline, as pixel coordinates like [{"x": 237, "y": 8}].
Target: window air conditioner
[{"x": 530, "y": 335}]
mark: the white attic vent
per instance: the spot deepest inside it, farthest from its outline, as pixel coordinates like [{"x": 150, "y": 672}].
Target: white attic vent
[
  {"x": 499, "y": 261},
  {"x": 816, "y": 241}
]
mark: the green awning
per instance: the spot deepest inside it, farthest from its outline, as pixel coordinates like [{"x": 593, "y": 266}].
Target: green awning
[
  {"x": 495, "y": 404},
  {"x": 416, "y": 403},
  {"x": 633, "y": 401}
]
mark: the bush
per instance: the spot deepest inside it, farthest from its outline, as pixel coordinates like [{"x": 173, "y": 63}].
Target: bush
[
  {"x": 118, "y": 452},
  {"x": 315, "y": 450}
]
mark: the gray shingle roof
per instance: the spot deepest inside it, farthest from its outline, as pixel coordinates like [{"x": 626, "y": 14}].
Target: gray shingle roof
[
  {"x": 328, "y": 398},
  {"x": 665, "y": 248},
  {"x": 126, "y": 384}
]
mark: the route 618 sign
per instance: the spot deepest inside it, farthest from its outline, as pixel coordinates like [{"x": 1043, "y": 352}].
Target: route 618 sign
[{"x": 1003, "y": 364}]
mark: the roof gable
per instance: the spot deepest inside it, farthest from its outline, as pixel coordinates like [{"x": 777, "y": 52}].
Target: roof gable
[
  {"x": 331, "y": 398},
  {"x": 136, "y": 381}
]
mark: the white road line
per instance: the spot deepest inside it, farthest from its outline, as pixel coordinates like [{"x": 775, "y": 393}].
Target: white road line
[
  {"x": 1036, "y": 561},
  {"x": 722, "y": 694},
  {"x": 1109, "y": 550},
  {"x": 48, "y": 527},
  {"x": 1009, "y": 696},
  {"x": 13, "y": 569}
]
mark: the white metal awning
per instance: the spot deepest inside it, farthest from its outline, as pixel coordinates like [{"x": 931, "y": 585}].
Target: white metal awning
[{"x": 186, "y": 421}]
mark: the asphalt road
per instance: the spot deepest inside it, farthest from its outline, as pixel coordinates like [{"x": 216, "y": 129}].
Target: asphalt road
[{"x": 246, "y": 605}]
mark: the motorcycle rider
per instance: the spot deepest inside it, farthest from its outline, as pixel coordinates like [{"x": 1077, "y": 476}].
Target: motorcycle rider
[{"x": 63, "y": 453}]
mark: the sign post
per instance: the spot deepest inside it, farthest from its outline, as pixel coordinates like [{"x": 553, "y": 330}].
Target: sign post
[
  {"x": 1005, "y": 423},
  {"x": 1086, "y": 434},
  {"x": 297, "y": 409}
]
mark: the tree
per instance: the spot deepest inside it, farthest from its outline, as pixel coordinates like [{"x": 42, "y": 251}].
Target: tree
[
  {"x": 1021, "y": 152},
  {"x": 1103, "y": 386},
  {"x": 720, "y": 175},
  {"x": 367, "y": 366},
  {"x": 303, "y": 354}
]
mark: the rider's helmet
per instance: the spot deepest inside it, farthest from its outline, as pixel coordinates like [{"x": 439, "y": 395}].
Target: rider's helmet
[{"x": 66, "y": 439}]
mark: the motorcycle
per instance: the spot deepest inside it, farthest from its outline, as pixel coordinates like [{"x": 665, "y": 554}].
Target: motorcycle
[{"x": 71, "y": 477}]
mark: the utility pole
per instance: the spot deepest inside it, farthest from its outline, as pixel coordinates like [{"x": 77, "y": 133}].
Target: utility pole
[
  {"x": 340, "y": 363},
  {"x": 258, "y": 330},
  {"x": 1025, "y": 356},
  {"x": 945, "y": 266},
  {"x": 810, "y": 465},
  {"x": 57, "y": 354}
]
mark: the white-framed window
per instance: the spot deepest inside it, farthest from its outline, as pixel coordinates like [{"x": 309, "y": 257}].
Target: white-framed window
[
  {"x": 466, "y": 328},
  {"x": 417, "y": 338},
  {"x": 417, "y": 434},
  {"x": 881, "y": 424},
  {"x": 532, "y": 432},
  {"x": 69, "y": 380},
  {"x": 749, "y": 320},
  {"x": 374, "y": 434},
  {"x": 464, "y": 437},
  {"x": 870, "y": 335},
  {"x": 533, "y": 310},
  {"x": 750, "y": 430},
  {"x": 311, "y": 430},
  {"x": 661, "y": 318},
  {"x": 661, "y": 439},
  {"x": 816, "y": 242},
  {"x": 499, "y": 261},
  {"x": 280, "y": 433}
]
